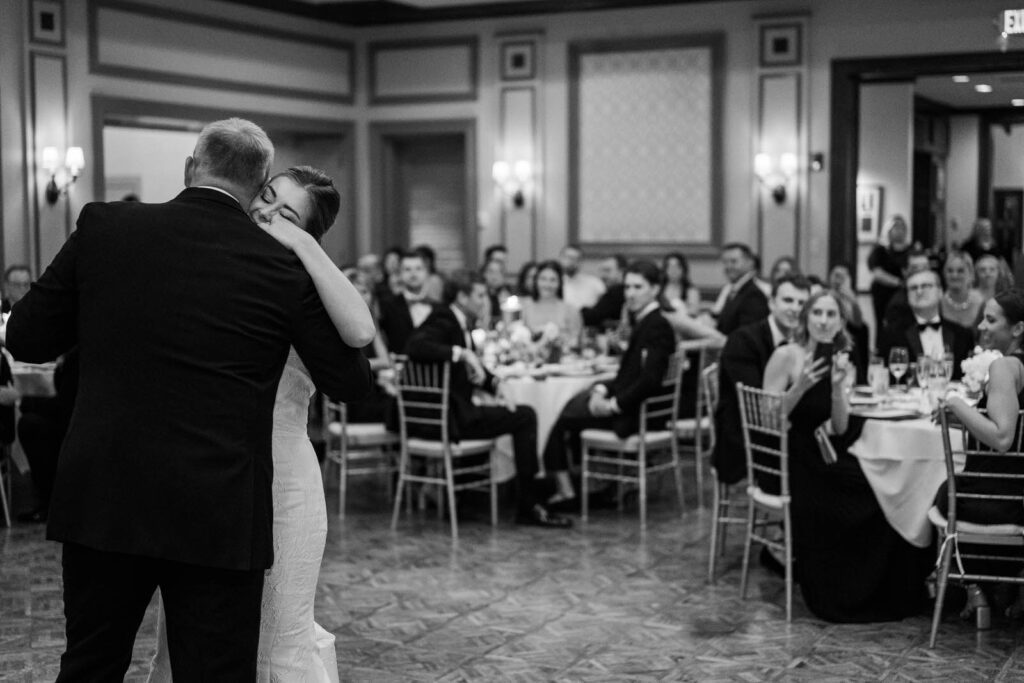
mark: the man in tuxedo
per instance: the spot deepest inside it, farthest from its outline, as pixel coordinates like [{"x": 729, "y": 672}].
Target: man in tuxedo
[
  {"x": 741, "y": 301},
  {"x": 898, "y": 313},
  {"x": 446, "y": 336},
  {"x": 401, "y": 314},
  {"x": 744, "y": 357},
  {"x": 927, "y": 333},
  {"x": 17, "y": 280},
  {"x": 616, "y": 404},
  {"x": 608, "y": 309},
  {"x": 183, "y": 314}
]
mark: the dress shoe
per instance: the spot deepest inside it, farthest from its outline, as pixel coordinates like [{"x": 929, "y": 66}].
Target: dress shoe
[
  {"x": 539, "y": 516},
  {"x": 33, "y": 517}
]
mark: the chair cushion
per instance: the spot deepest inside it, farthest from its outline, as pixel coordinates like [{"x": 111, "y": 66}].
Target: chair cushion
[
  {"x": 368, "y": 434},
  {"x": 767, "y": 499},
  {"x": 687, "y": 427},
  {"x": 465, "y": 447},
  {"x": 606, "y": 438},
  {"x": 936, "y": 517}
]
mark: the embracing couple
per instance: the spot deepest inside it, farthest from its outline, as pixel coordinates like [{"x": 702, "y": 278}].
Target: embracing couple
[{"x": 203, "y": 326}]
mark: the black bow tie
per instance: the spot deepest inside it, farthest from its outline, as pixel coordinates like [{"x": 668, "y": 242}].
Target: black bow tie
[{"x": 935, "y": 325}]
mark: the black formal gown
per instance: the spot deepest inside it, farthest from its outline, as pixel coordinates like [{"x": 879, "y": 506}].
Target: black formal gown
[{"x": 851, "y": 564}]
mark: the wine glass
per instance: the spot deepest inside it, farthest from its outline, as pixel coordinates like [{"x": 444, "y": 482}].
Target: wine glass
[
  {"x": 947, "y": 364},
  {"x": 921, "y": 372},
  {"x": 899, "y": 359}
]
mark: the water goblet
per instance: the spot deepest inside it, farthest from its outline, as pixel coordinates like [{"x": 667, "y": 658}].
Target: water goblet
[{"x": 899, "y": 359}]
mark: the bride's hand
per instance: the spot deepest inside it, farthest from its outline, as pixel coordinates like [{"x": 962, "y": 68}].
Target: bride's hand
[{"x": 284, "y": 231}]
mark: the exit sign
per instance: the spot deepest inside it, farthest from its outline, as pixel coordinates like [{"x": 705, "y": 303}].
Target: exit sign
[{"x": 1013, "y": 22}]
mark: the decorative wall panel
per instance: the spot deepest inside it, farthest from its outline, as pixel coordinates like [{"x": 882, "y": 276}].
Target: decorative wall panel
[
  {"x": 423, "y": 71},
  {"x": 49, "y": 125},
  {"x": 646, "y": 140},
  {"x": 142, "y": 41}
]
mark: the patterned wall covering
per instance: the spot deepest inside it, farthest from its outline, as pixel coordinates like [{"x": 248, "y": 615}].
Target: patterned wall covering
[{"x": 646, "y": 146}]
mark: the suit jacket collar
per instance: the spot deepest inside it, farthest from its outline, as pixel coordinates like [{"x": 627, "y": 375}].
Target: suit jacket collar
[
  {"x": 211, "y": 195},
  {"x": 914, "y": 338}
]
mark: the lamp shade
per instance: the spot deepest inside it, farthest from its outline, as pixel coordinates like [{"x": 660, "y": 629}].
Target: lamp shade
[
  {"x": 50, "y": 159},
  {"x": 75, "y": 160}
]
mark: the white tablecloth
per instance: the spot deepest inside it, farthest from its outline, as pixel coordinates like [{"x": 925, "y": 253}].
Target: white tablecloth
[
  {"x": 547, "y": 397},
  {"x": 904, "y": 464}
]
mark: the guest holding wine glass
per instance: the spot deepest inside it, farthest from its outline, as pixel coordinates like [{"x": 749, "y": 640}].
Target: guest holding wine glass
[
  {"x": 852, "y": 566},
  {"x": 961, "y": 303}
]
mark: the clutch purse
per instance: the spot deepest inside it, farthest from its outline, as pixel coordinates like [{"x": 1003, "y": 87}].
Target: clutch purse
[{"x": 828, "y": 451}]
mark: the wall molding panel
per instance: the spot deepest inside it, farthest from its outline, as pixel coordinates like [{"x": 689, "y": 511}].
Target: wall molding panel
[
  {"x": 130, "y": 40},
  {"x": 645, "y": 144},
  {"x": 48, "y": 82},
  {"x": 419, "y": 71}
]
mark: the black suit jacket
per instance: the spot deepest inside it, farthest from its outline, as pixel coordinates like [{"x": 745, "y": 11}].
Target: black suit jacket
[
  {"x": 183, "y": 314},
  {"x": 747, "y": 306},
  {"x": 744, "y": 357},
  {"x": 607, "y": 309},
  {"x": 396, "y": 322},
  {"x": 432, "y": 342},
  {"x": 959, "y": 339},
  {"x": 641, "y": 370}
]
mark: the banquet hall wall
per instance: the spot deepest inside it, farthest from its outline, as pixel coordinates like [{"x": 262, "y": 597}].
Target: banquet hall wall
[{"x": 49, "y": 90}]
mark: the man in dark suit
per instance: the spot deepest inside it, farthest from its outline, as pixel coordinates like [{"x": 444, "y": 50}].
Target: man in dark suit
[
  {"x": 898, "y": 314},
  {"x": 741, "y": 302},
  {"x": 616, "y": 404},
  {"x": 608, "y": 310},
  {"x": 743, "y": 359},
  {"x": 404, "y": 312},
  {"x": 446, "y": 336},
  {"x": 927, "y": 333},
  {"x": 183, "y": 314}
]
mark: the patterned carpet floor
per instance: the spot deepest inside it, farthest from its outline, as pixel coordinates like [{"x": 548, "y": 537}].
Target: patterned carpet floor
[{"x": 602, "y": 602}]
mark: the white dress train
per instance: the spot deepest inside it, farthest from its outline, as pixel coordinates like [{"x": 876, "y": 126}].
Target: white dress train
[{"x": 293, "y": 648}]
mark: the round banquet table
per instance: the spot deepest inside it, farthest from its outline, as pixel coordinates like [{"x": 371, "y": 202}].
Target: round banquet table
[
  {"x": 547, "y": 397},
  {"x": 904, "y": 462}
]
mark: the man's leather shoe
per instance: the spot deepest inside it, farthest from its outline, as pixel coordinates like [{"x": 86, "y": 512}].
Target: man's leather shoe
[{"x": 539, "y": 516}]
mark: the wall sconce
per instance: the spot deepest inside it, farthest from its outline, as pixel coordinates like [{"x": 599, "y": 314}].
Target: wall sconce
[
  {"x": 74, "y": 162},
  {"x": 775, "y": 177},
  {"x": 513, "y": 179}
]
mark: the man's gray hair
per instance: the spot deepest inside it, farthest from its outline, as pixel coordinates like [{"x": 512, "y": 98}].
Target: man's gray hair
[{"x": 235, "y": 150}]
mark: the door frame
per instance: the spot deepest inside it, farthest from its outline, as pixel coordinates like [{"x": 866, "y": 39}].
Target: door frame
[
  {"x": 384, "y": 135},
  {"x": 170, "y": 116},
  {"x": 844, "y": 140}
]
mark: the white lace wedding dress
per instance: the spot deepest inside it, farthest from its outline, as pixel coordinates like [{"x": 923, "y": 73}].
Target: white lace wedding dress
[{"x": 293, "y": 648}]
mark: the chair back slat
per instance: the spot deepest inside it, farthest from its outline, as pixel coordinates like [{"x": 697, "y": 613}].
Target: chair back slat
[
  {"x": 765, "y": 438},
  {"x": 657, "y": 411},
  {"x": 1002, "y": 479}
]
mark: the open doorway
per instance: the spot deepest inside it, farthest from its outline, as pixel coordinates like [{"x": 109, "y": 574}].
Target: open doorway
[{"x": 141, "y": 148}]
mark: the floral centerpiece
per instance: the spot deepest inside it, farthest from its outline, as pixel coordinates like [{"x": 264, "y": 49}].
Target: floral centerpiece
[{"x": 975, "y": 369}]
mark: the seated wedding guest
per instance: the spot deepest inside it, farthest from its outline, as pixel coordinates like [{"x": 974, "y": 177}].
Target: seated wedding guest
[
  {"x": 784, "y": 265},
  {"x": 524, "y": 282},
  {"x": 616, "y": 404},
  {"x": 401, "y": 314},
  {"x": 581, "y": 289},
  {"x": 370, "y": 272},
  {"x": 898, "y": 314},
  {"x": 928, "y": 333},
  {"x": 445, "y": 336},
  {"x": 983, "y": 241},
  {"x": 675, "y": 270},
  {"x": 435, "y": 283},
  {"x": 887, "y": 263},
  {"x": 1001, "y": 329},
  {"x": 961, "y": 303},
  {"x": 741, "y": 301},
  {"x": 743, "y": 359},
  {"x": 392, "y": 265},
  {"x": 608, "y": 310},
  {"x": 17, "y": 281},
  {"x": 992, "y": 275},
  {"x": 547, "y": 305},
  {"x": 851, "y": 564},
  {"x": 374, "y": 407},
  {"x": 497, "y": 291},
  {"x": 42, "y": 425},
  {"x": 841, "y": 284},
  {"x": 496, "y": 252}
]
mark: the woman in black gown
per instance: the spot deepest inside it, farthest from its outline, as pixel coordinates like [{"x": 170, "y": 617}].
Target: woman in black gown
[{"x": 852, "y": 566}]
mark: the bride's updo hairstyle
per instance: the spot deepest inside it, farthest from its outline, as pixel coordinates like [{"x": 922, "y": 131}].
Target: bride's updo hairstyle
[
  {"x": 323, "y": 197},
  {"x": 840, "y": 342}
]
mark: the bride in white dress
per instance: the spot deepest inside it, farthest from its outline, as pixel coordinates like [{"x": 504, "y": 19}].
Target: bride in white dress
[{"x": 296, "y": 208}]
